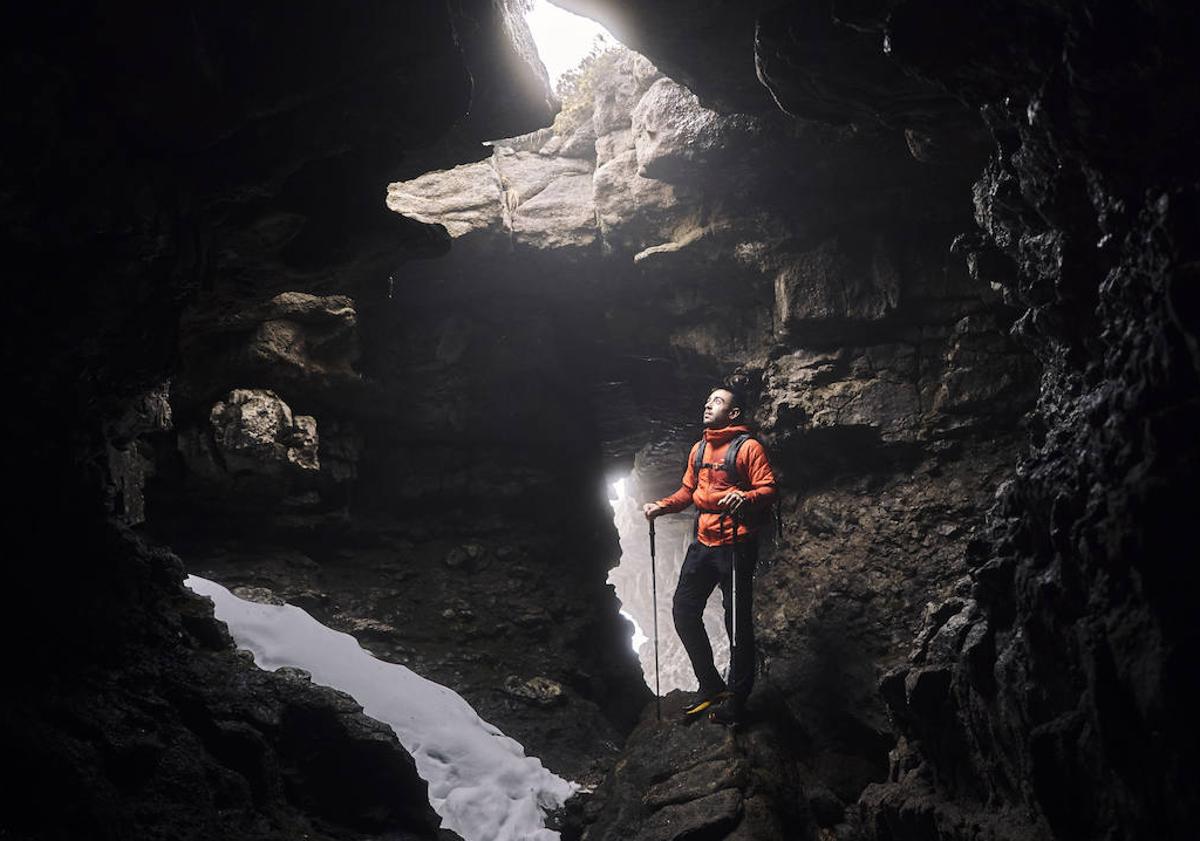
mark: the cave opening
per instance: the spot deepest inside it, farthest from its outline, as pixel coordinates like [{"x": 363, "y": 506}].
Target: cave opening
[{"x": 632, "y": 580}]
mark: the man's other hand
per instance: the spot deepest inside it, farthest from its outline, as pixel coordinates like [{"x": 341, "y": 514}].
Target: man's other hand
[
  {"x": 652, "y": 510},
  {"x": 732, "y": 500}
]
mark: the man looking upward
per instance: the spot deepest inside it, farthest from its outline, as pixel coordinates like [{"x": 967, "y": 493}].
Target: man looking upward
[{"x": 720, "y": 487}]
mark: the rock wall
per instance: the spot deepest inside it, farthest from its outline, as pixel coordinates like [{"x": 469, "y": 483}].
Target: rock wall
[
  {"x": 1039, "y": 698},
  {"x": 1050, "y": 689},
  {"x": 152, "y": 154}
]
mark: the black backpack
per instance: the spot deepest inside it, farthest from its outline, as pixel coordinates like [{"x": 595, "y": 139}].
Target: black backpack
[{"x": 729, "y": 467}]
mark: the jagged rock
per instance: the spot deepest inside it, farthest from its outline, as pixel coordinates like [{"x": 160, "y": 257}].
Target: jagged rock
[
  {"x": 307, "y": 344},
  {"x": 541, "y": 691},
  {"x": 678, "y": 781},
  {"x": 697, "y": 782},
  {"x": 620, "y": 91},
  {"x": 610, "y": 145},
  {"x": 526, "y": 174},
  {"x": 711, "y": 816},
  {"x": 251, "y": 165},
  {"x": 875, "y": 388},
  {"x": 634, "y": 212},
  {"x": 252, "y": 433},
  {"x": 986, "y": 373},
  {"x": 255, "y": 431},
  {"x": 581, "y": 143},
  {"x": 679, "y": 140},
  {"x": 288, "y": 343},
  {"x": 465, "y": 199},
  {"x": 129, "y": 461},
  {"x": 243, "y": 158}
]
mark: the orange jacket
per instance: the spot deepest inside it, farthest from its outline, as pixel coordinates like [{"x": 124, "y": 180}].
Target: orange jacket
[{"x": 704, "y": 491}]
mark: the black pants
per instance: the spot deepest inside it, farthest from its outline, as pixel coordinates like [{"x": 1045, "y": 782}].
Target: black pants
[{"x": 705, "y": 567}]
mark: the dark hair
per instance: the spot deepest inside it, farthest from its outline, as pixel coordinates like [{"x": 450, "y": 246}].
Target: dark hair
[{"x": 737, "y": 396}]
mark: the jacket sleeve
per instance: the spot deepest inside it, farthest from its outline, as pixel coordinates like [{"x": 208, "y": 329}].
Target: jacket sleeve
[
  {"x": 682, "y": 498},
  {"x": 757, "y": 469}
]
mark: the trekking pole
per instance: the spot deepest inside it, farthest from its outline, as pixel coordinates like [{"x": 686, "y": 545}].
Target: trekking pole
[
  {"x": 654, "y": 604},
  {"x": 733, "y": 572}
]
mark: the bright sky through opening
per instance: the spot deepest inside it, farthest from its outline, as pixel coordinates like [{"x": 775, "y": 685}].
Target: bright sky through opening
[{"x": 562, "y": 38}]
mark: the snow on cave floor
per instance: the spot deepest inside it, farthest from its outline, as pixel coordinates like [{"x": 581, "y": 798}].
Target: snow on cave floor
[{"x": 481, "y": 782}]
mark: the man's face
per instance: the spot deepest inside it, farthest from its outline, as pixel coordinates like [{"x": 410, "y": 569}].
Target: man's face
[{"x": 718, "y": 409}]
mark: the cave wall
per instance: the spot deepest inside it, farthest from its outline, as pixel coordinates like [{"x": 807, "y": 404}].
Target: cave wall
[
  {"x": 233, "y": 160},
  {"x": 152, "y": 153},
  {"x": 1047, "y": 697}
]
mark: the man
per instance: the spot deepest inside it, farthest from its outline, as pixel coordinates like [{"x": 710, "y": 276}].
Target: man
[{"x": 725, "y": 500}]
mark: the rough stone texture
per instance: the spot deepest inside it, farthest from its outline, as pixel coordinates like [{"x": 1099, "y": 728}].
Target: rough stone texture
[
  {"x": 130, "y": 461},
  {"x": 1038, "y": 697},
  {"x": 677, "y": 139},
  {"x": 152, "y": 156},
  {"x": 255, "y": 431},
  {"x": 677, "y": 781},
  {"x": 463, "y": 200},
  {"x": 854, "y": 280},
  {"x": 162, "y": 730},
  {"x": 252, "y": 446}
]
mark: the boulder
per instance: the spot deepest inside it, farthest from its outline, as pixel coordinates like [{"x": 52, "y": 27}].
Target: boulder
[
  {"x": 316, "y": 348},
  {"x": 676, "y": 137},
  {"x": 253, "y": 433}
]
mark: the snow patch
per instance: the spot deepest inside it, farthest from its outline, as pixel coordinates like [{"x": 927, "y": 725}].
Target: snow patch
[{"x": 480, "y": 781}]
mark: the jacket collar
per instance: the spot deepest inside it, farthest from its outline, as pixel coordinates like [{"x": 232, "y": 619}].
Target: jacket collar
[{"x": 725, "y": 434}]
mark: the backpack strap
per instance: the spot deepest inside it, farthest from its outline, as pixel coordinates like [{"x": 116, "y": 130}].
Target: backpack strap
[
  {"x": 731, "y": 455},
  {"x": 728, "y": 465}
]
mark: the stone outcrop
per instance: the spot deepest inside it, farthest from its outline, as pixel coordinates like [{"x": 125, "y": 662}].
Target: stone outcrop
[
  {"x": 678, "y": 782},
  {"x": 252, "y": 435}
]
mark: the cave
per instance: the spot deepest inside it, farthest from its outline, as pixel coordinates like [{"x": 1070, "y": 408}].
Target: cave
[{"x": 350, "y": 308}]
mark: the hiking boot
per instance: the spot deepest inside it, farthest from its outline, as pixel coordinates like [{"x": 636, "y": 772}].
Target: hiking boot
[
  {"x": 703, "y": 700},
  {"x": 731, "y": 713}
]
